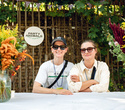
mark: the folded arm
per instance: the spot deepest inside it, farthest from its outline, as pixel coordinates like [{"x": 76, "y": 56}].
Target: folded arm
[{"x": 86, "y": 84}]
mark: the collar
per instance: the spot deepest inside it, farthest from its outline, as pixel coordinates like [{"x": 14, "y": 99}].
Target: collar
[{"x": 82, "y": 66}]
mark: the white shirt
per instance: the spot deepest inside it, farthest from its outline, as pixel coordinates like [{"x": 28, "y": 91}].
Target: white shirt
[
  {"x": 47, "y": 74},
  {"x": 102, "y": 75}
]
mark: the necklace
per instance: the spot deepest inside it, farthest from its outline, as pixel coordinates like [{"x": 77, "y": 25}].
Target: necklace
[
  {"x": 57, "y": 74},
  {"x": 86, "y": 76},
  {"x": 94, "y": 70}
]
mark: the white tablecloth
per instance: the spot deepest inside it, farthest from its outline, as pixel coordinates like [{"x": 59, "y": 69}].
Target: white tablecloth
[{"x": 77, "y": 101}]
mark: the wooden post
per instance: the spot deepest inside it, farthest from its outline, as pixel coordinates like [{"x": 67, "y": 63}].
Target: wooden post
[
  {"x": 13, "y": 11},
  {"x": 82, "y": 27},
  {"x": 46, "y": 39},
  {"x": 76, "y": 37},
  {"x": 53, "y": 27},
  {"x": 56, "y": 19},
  {"x": 39, "y": 45},
  {"x": 72, "y": 44},
  {"x": 33, "y": 46},
  {"x": 64, "y": 23},
  {"x": 26, "y": 87},
  {"x": 58, "y": 27},
  {"x": 2, "y": 1},
  {"x": 19, "y": 18}
]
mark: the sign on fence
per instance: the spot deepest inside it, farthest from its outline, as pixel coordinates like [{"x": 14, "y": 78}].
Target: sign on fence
[{"x": 34, "y": 36}]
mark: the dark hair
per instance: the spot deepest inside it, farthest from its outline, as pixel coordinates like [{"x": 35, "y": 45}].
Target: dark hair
[{"x": 89, "y": 40}]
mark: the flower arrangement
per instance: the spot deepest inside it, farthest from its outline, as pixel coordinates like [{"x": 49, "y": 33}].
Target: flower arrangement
[
  {"x": 12, "y": 50},
  {"x": 117, "y": 43},
  {"x": 12, "y": 53}
]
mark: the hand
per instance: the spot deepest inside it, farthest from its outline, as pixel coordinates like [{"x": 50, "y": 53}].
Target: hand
[
  {"x": 75, "y": 78},
  {"x": 62, "y": 92},
  {"x": 95, "y": 82}
]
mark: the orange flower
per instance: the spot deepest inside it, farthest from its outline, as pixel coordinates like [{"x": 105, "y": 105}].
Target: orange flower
[
  {"x": 17, "y": 67},
  {"x": 13, "y": 73},
  {"x": 9, "y": 53}
]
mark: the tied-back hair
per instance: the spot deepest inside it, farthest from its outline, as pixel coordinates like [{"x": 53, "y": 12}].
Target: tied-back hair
[
  {"x": 95, "y": 45},
  {"x": 89, "y": 40}
]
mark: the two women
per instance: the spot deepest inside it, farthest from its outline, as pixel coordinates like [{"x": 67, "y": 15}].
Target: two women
[{"x": 89, "y": 75}]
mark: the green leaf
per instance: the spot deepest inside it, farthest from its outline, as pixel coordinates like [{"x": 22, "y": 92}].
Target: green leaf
[
  {"x": 79, "y": 5},
  {"x": 119, "y": 57},
  {"x": 92, "y": 35}
]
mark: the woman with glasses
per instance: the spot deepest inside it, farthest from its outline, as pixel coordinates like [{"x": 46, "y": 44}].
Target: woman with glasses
[
  {"x": 46, "y": 80},
  {"x": 89, "y": 75}
]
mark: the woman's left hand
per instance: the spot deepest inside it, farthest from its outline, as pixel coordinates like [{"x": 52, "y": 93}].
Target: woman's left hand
[{"x": 75, "y": 78}]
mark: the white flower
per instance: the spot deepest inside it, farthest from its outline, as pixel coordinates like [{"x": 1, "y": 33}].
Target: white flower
[
  {"x": 116, "y": 43},
  {"x": 110, "y": 43}
]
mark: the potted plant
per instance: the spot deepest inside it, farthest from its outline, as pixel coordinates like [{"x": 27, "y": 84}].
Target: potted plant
[{"x": 12, "y": 52}]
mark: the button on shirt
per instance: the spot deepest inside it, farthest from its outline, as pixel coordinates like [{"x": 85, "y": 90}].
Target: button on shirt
[{"x": 102, "y": 75}]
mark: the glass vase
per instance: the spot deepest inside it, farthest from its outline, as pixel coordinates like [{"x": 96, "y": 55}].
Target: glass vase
[{"x": 5, "y": 86}]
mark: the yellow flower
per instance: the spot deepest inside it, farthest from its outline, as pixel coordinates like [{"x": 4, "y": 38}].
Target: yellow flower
[
  {"x": 123, "y": 46},
  {"x": 0, "y": 33},
  {"x": 0, "y": 28},
  {"x": 123, "y": 25},
  {"x": 6, "y": 33}
]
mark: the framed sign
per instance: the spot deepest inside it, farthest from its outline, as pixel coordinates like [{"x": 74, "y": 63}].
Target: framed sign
[{"x": 34, "y": 36}]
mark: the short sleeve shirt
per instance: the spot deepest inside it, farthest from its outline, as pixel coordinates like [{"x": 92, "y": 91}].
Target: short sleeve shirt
[{"x": 48, "y": 72}]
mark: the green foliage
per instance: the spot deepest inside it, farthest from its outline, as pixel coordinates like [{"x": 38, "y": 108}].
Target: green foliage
[
  {"x": 117, "y": 84},
  {"x": 59, "y": 2},
  {"x": 80, "y": 5},
  {"x": 7, "y": 14},
  {"x": 55, "y": 13},
  {"x": 93, "y": 32},
  {"x": 69, "y": 13}
]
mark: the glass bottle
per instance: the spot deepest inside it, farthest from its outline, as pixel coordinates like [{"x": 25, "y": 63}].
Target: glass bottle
[{"x": 5, "y": 86}]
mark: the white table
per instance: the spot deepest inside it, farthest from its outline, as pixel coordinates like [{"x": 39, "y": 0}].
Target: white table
[{"x": 77, "y": 101}]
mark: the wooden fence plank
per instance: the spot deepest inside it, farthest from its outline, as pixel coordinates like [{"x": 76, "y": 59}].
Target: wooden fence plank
[
  {"x": 26, "y": 87},
  {"x": 46, "y": 39}
]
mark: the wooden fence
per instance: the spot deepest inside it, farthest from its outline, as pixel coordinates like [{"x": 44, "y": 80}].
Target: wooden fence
[{"x": 74, "y": 29}]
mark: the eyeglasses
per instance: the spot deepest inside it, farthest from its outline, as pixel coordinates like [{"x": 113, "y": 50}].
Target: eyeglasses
[
  {"x": 62, "y": 47},
  {"x": 89, "y": 49}
]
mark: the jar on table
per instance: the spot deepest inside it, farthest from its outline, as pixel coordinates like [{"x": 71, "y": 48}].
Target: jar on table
[{"x": 5, "y": 86}]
